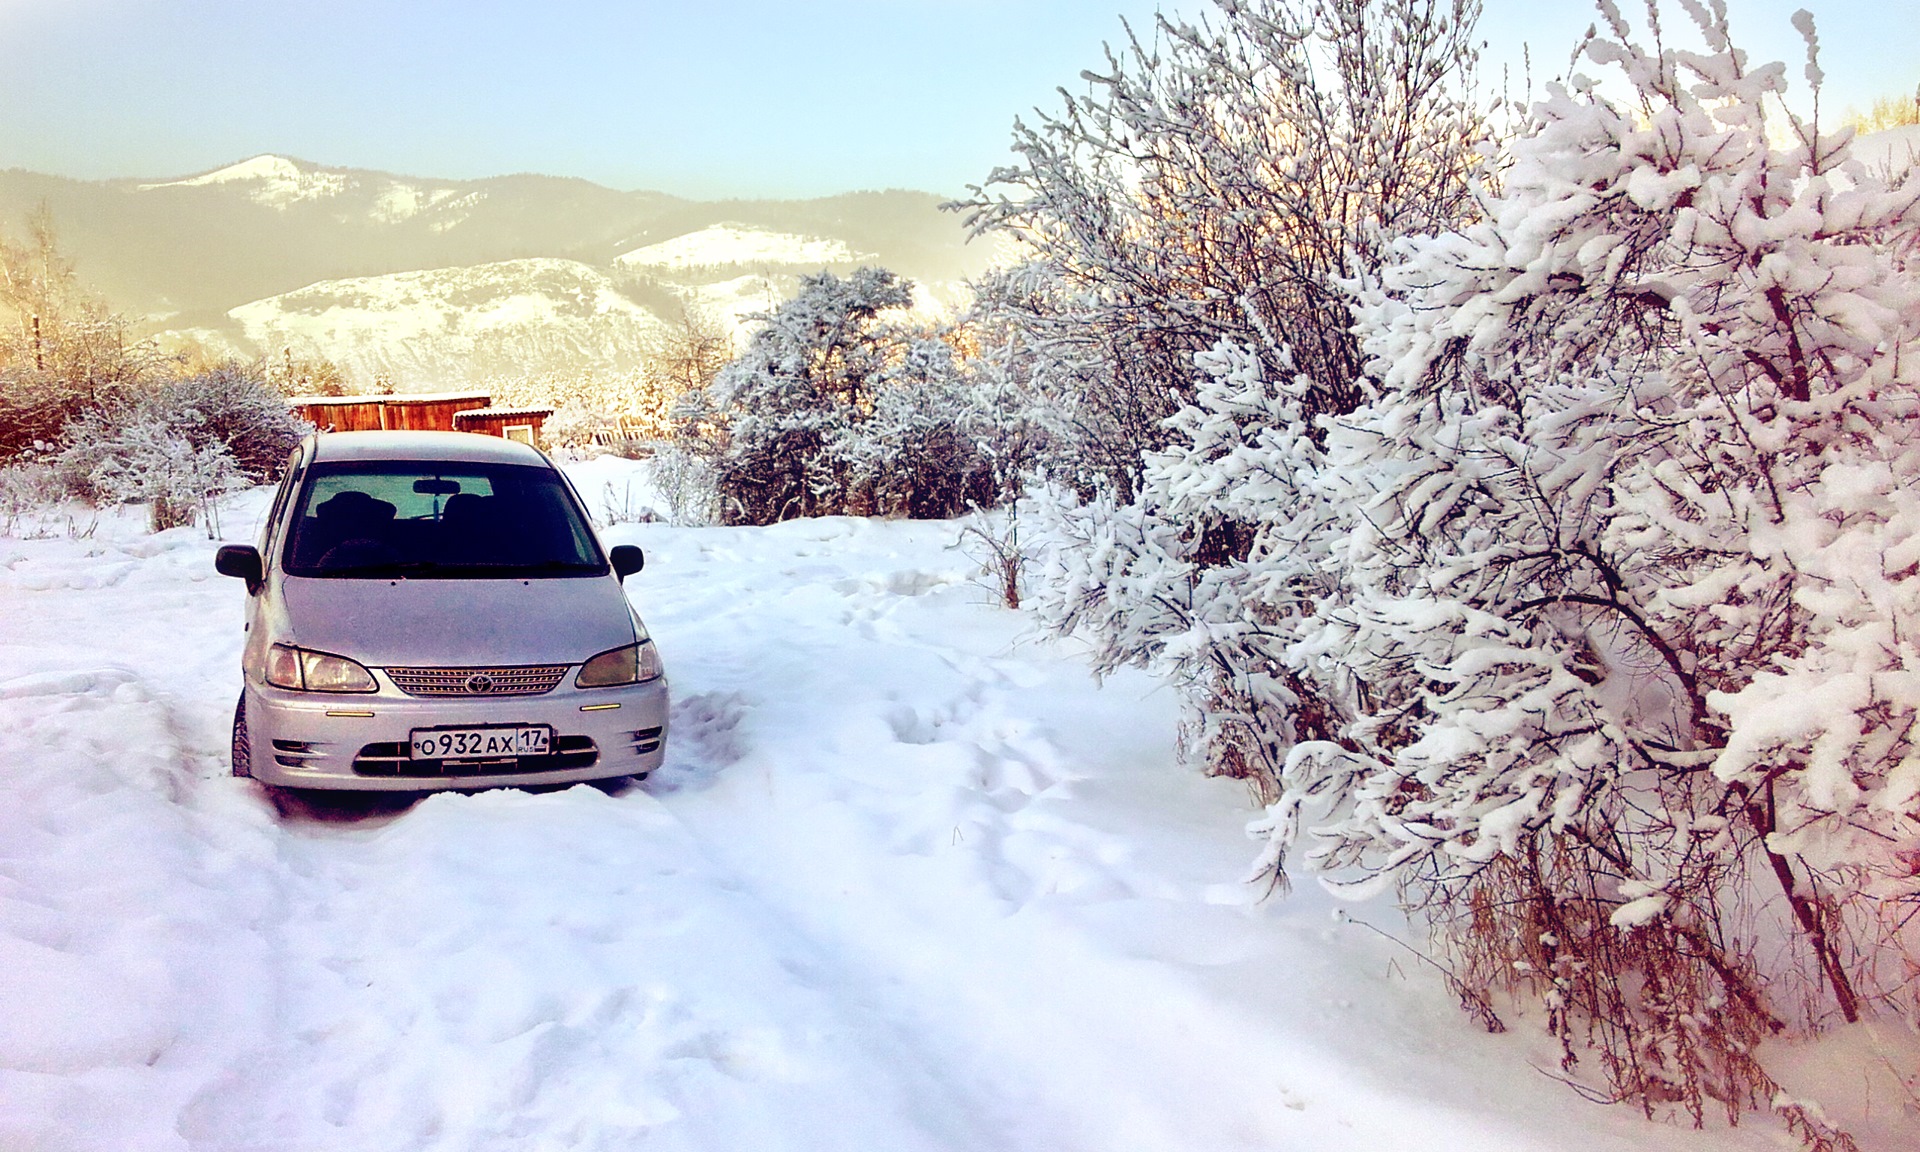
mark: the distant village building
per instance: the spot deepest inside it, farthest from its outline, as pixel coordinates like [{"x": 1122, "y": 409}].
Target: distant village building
[{"x": 422, "y": 412}]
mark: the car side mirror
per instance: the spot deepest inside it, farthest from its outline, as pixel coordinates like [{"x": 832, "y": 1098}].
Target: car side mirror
[
  {"x": 627, "y": 559},
  {"x": 243, "y": 561}
]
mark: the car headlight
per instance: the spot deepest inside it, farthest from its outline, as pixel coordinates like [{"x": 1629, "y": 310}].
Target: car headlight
[
  {"x": 304, "y": 671},
  {"x": 633, "y": 664}
]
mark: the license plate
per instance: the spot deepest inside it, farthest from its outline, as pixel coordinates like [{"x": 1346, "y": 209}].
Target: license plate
[{"x": 480, "y": 743}]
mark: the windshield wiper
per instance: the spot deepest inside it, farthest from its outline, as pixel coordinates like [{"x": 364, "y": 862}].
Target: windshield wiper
[
  {"x": 385, "y": 568},
  {"x": 535, "y": 567},
  {"x": 496, "y": 570}
]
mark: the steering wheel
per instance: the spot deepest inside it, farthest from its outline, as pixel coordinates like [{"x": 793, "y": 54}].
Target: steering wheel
[{"x": 356, "y": 551}]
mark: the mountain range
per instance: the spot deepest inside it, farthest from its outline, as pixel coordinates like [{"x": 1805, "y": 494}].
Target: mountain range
[{"x": 439, "y": 283}]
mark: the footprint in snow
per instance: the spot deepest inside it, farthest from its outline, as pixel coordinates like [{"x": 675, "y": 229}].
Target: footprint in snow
[{"x": 703, "y": 739}]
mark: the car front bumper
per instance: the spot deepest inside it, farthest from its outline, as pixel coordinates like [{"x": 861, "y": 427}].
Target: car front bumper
[{"x": 312, "y": 739}]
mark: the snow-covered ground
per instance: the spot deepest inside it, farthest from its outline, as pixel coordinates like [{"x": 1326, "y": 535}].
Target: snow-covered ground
[{"x": 909, "y": 880}]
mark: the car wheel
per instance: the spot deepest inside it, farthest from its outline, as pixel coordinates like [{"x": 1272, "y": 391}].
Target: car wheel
[{"x": 242, "y": 747}]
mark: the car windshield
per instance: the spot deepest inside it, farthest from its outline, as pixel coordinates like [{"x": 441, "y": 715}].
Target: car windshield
[{"x": 438, "y": 519}]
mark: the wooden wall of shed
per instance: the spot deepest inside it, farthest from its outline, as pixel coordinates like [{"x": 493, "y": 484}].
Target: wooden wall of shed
[
  {"x": 424, "y": 416},
  {"x": 355, "y": 417},
  {"x": 392, "y": 412}
]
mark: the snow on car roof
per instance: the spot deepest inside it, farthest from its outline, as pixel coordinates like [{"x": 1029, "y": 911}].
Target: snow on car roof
[{"x": 423, "y": 446}]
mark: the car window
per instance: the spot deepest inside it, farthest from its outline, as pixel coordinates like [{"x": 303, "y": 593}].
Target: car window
[
  {"x": 398, "y": 489},
  {"x": 289, "y": 483},
  {"x": 447, "y": 520}
]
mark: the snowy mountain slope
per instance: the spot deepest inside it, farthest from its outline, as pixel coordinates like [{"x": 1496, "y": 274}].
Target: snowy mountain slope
[
  {"x": 453, "y": 327},
  {"x": 733, "y": 302},
  {"x": 346, "y": 195},
  {"x": 273, "y": 181},
  {"x": 909, "y": 880},
  {"x": 456, "y": 327},
  {"x": 734, "y": 271},
  {"x": 184, "y": 250},
  {"x": 213, "y": 260},
  {"x": 728, "y": 245},
  {"x": 277, "y": 182}
]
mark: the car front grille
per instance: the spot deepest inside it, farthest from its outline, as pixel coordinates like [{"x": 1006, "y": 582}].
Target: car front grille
[
  {"x": 526, "y": 680},
  {"x": 394, "y": 758}
]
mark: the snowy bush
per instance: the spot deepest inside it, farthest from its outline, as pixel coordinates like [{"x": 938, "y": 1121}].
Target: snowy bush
[
  {"x": 1215, "y": 196},
  {"x": 180, "y": 444},
  {"x": 233, "y": 406},
  {"x": 836, "y": 408},
  {"x": 917, "y": 452},
  {"x": 684, "y": 479},
  {"x": 1209, "y": 573},
  {"x": 145, "y": 461},
  {"x": 61, "y": 353},
  {"x": 575, "y": 425},
  {"x": 27, "y": 487},
  {"x": 1026, "y": 417},
  {"x": 1671, "y": 522},
  {"x": 34, "y": 406},
  {"x": 1640, "y": 493}
]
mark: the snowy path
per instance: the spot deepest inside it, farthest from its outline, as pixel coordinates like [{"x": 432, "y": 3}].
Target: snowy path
[
  {"x": 554, "y": 971},
  {"x": 909, "y": 881}
]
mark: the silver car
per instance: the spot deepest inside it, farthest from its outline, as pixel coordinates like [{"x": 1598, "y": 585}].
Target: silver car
[{"x": 431, "y": 610}]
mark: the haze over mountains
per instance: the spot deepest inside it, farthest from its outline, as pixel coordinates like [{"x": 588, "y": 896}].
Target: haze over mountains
[{"x": 449, "y": 283}]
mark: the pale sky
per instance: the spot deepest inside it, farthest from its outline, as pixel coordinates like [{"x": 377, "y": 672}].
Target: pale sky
[{"x": 706, "y": 99}]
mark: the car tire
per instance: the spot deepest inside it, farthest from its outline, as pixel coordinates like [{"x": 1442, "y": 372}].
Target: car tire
[{"x": 242, "y": 746}]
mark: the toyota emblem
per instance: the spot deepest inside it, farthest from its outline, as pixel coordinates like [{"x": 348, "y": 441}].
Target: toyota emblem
[{"x": 479, "y": 684}]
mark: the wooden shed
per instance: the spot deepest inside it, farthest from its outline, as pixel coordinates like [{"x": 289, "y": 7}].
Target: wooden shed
[
  {"x": 522, "y": 424},
  {"x": 415, "y": 412}
]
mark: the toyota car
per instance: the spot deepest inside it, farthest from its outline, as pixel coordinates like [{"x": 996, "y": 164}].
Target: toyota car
[{"x": 430, "y": 610}]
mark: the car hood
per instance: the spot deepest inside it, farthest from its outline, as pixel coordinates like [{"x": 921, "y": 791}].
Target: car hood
[{"x": 458, "y": 623}]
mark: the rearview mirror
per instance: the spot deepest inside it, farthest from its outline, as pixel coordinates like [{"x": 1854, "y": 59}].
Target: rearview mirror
[
  {"x": 436, "y": 487},
  {"x": 243, "y": 562},
  {"x": 627, "y": 559}
]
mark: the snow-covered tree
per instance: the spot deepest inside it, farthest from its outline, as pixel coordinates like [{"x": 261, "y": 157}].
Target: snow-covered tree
[
  {"x": 1218, "y": 181},
  {"x": 1209, "y": 571},
  {"x": 61, "y": 352},
  {"x": 914, "y": 453},
  {"x": 838, "y": 405},
  {"x": 1214, "y": 195},
  {"x": 806, "y": 376},
  {"x": 1643, "y": 472}
]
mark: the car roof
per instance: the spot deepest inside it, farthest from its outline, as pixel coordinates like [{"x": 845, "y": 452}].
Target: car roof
[{"x": 440, "y": 446}]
